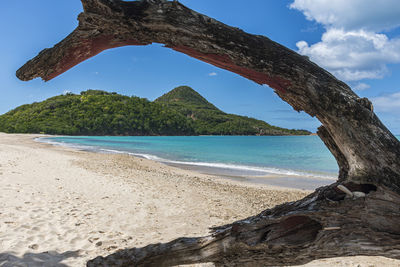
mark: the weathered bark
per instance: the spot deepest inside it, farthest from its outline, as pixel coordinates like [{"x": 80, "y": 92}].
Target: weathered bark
[{"x": 368, "y": 155}]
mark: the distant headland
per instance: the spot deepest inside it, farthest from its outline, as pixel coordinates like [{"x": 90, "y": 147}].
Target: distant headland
[{"x": 182, "y": 111}]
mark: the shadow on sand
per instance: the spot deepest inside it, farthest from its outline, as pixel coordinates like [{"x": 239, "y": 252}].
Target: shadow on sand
[{"x": 46, "y": 259}]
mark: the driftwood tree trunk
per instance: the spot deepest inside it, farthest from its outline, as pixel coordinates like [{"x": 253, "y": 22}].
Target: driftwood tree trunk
[{"x": 327, "y": 223}]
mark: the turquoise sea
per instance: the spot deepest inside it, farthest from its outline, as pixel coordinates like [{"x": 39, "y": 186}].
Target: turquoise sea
[{"x": 292, "y": 161}]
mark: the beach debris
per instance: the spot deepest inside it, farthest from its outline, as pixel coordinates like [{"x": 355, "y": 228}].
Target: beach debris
[
  {"x": 34, "y": 246},
  {"x": 349, "y": 194},
  {"x": 332, "y": 228},
  {"x": 357, "y": 194},
  {"x": 93, "y": 239},
  {"x": 345, "y": 190}
]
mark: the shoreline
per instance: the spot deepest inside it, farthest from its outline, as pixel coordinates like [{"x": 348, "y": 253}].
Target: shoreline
[
  {"x": 285, "y": 178},
  {"x": 62, "y": 207},
  {"x": 274, "y": 180}
]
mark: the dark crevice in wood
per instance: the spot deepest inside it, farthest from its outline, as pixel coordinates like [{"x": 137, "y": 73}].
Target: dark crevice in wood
[
  {"x": 296, "y": 230},
  {"x": 365, "y": 188}
]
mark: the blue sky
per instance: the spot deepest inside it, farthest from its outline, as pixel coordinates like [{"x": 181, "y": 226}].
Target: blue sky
[{"x": 356, "y": 40}]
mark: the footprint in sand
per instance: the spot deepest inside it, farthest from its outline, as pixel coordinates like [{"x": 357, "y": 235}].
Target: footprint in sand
[
  {"x": 30, "y": 239},
  {"x": 25, "y": 226}
]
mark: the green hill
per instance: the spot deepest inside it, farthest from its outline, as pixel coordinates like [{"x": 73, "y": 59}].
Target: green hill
[
  {"x": 95, "y": 113},
  {"x": 182, "y": 111},
  {"x": 207, "y": 119},
  {"x": 185, "y": 96}
]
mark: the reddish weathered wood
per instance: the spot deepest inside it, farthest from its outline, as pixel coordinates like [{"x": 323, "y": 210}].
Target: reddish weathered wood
[{"x": 368, "y": 155}]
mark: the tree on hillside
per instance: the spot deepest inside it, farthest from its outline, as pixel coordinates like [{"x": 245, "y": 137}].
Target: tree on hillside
[{"x": 357, "y": 215}]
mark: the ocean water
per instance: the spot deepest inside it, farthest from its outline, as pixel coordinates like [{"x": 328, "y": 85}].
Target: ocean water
[{"x": 291, "y": 161}]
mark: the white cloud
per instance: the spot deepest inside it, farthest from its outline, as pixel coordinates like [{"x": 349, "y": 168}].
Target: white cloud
[
  {"x": 353, "y": 55},
  {"x": 387, "y": 102},
  {"x": 352, "y": 47},
  {"x": 371, "y": 15},
  {"x": 66, "y": 92},
  {"x": 213, "y": 74},
  {"x": 361, "y": 86}
]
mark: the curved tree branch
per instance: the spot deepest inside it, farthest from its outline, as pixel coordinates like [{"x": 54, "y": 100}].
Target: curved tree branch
[{"x": 368, "y": 155}]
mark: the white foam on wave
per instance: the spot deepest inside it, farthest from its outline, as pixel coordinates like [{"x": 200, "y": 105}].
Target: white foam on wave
[
  {"x": 263, "y": 170},
  {"x": 61, "y": 143},
  {"x": 146, "y": 156},
  {"x": 226, "y": 166}
]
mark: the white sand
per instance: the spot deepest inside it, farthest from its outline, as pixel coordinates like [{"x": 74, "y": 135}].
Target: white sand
[{"x": 60, "y": 207}]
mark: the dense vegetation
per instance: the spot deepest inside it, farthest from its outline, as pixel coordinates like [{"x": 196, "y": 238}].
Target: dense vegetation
[
  {"x": 95, "y": 113},
  {"x": 207, "y": 119},
  {"x": 180, "y": 112}
]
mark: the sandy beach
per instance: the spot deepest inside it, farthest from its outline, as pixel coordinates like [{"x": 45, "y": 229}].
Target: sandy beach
[{"x": 62, "y": 207}]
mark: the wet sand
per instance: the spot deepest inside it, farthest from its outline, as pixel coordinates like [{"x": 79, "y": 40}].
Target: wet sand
[{"x": 285, "y": 181}]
